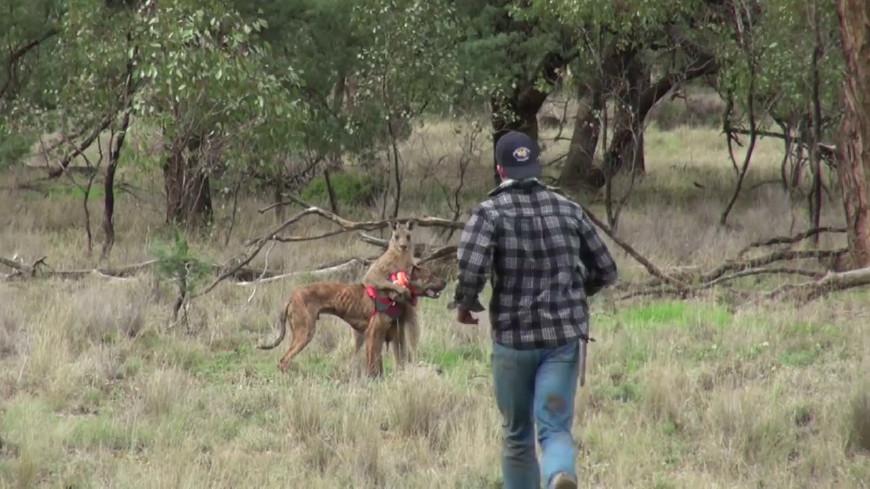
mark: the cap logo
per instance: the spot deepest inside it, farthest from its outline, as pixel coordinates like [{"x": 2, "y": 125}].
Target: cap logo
[{"x": 522, "y": 153}]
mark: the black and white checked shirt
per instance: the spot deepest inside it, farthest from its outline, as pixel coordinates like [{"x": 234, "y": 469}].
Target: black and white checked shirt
[{"x": 546, "y": 259}]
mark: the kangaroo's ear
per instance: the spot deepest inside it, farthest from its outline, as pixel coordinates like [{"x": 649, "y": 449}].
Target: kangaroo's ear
[
  {"x": 394, "y": 225},
  {"x": 410, "y": 224}
]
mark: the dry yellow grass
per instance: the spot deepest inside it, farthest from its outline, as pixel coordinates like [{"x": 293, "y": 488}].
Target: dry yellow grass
[{"x": 97, "y": 390}]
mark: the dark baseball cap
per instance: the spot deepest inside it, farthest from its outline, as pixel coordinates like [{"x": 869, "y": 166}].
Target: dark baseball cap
[{"x": 517, "y": 153}]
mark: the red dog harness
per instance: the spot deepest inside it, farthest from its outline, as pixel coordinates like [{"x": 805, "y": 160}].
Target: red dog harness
[{"x": 383, "y": 304}]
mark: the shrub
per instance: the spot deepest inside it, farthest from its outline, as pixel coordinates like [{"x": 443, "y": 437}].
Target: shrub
[
  {"x": 13, "y": 146},
  {"x": 350, "y": 188}
]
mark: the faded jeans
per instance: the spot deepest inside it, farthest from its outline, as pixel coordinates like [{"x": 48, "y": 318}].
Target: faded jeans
[{"x": 535, "y": 388}]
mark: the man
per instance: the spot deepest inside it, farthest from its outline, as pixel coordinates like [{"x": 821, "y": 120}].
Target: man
[{"x": 545, "y": 259}]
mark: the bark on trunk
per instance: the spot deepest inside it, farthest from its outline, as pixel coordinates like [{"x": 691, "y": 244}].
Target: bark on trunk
[
  {"x": 188, "y": 195},
  {"x": 854, "y": 145},
  {"x": 630, "y": 117},
  {"x": 580, "y": 163}
]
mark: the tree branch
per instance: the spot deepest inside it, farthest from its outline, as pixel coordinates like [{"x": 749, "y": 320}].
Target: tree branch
[{"x": 791, "y": 239}]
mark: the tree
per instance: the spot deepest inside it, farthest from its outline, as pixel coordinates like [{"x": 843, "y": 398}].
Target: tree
[
  {"x": 207, "y": 90},
  {"x": 621, "y": 46},
  {"x": 854, "y": 144},
  {"x": 512, "y": 57}
]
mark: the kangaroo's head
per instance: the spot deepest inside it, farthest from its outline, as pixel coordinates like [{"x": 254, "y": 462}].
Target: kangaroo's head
[{"x": 401, "y": 239}]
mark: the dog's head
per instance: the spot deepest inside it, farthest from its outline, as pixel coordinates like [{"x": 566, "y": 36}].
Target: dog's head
[
  {"x": 401, "y": 238},
  {"x": 424, "y": 283}
]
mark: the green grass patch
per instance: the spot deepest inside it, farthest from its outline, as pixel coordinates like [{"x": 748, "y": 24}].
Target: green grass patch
[
  {"x": 222, "y": 366},
  {"x": 670, "y": 314},
  {"x": 799, "y": 357},
  {"x": 318, "y": 365},
  {"x": 623, "y": 392},
  {"x": 102, "y": 432},
  {"x": 455, "y": 357}
]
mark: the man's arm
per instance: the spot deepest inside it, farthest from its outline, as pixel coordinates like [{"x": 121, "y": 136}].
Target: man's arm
[
  {"x": 475, "y": 259},
  {"x": 599, "y": 264}
]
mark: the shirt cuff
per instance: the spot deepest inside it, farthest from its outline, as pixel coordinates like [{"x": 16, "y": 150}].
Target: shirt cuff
[{"x": 466, "y": 303}]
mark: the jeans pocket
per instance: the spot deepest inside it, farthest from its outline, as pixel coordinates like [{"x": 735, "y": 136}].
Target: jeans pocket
[{"x": 565, "y": 353}]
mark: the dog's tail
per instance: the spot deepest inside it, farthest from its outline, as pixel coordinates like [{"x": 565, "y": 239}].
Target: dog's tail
[{"x": 281, "y": 325}]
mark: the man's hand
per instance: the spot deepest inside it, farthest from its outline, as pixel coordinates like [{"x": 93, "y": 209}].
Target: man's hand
[{"x": 464, "y": 316}]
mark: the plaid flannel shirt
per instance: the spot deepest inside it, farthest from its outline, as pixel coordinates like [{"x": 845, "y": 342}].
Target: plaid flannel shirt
[{"x": 545, "y": 259}]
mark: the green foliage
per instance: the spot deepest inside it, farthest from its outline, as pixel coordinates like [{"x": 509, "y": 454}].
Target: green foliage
[
  {"x": 351, "y": 188},
  {"x": 28, "y": 28},
  {"x": 781, "y": 44},
  {"x": 176, "y": 263},
  {"x": 13, "y": 146}
]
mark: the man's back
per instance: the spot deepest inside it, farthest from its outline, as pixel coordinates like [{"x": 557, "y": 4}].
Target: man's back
[{"x": 544, "y": 257}]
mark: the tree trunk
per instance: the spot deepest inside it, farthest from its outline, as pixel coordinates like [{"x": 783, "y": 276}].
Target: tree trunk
[
  {"x": 631, "y": 111},
  {"x": 109, "y": 185},
  {"x": 518, "y": 113},
  {"x": 188, "y": 195},
  {"x": 278, "y": 196},
  {"x": 854, "y": 144},
  {"x": 579, "y": 166}
]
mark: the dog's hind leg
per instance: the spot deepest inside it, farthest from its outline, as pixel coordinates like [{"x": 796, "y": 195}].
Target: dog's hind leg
[{"x": 302, "y": 324}]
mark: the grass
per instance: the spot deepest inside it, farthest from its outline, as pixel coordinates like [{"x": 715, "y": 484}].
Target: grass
[{"x": 98, "y": 390}]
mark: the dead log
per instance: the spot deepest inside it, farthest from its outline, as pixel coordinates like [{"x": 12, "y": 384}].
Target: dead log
[
  {"x": 830, "y": 282},
  {"x": 35, "y": 271},
  {"x": 777, "y": 256},
  {"x": 347, "y": 265}
]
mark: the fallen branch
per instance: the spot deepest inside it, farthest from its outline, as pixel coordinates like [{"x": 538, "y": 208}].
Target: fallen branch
[
  {"x": 341, "y": 267},
  {"x": 34, "y": 271},
  {"x": 791, "y": 239},
  {"x": 652, "y": 269},
  {"x": 39, "y": 269},
  {"x": 777, "y": 256},
  {"x": 440, "y": 254},
  {"x": 419, "y": 248},
  {"x": 831, "y": 282},
  {"x": 659, "y": 290}
]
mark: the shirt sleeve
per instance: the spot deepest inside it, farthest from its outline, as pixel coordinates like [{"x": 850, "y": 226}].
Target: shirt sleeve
[
  {"x": 475, "y": 258},
  {"x": 600, "y": 267}
]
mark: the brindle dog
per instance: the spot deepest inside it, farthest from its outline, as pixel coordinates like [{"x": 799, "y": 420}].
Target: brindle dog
[{"x": 351, "y": 303}]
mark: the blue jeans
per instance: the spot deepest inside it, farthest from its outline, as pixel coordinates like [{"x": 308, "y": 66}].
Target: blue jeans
[{"x": 535, "y": 388}]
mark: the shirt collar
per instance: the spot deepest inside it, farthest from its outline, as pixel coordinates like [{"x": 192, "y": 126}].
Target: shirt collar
[{"x": 510, "y": 183}]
